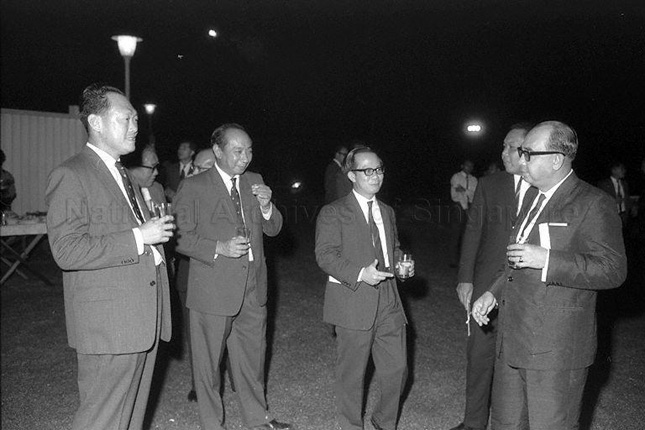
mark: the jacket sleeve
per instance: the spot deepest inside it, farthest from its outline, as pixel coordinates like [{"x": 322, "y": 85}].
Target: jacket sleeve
[{"x": 472, "y": 236}]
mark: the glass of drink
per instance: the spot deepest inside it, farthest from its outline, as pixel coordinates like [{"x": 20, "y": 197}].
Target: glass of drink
[
  {"x": 163, "y": 209},
  {"x": 404, "y": 265},
  {"x": 243, "y": 232}
]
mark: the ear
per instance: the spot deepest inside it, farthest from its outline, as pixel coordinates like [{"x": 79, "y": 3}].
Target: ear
[
  {"x": 351, "y": 176},
  {"x": 95, "y": 122},
  {"x": 217, "y": 151},
  {"x": 558, "y": 161}
]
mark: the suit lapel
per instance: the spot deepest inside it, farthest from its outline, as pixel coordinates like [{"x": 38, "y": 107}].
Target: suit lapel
[
  {"x": 361, "y": 223},
  {"x": 551, "y": 208},
  {"x": 221, "y": 194},
  {"x": 389, "y": 234}
]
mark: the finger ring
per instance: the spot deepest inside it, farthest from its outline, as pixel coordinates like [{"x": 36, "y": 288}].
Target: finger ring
[{"x": 521, "y": 260}]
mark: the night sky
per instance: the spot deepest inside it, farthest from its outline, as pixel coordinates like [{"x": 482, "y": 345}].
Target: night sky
[{"x": 302, "y": 75}]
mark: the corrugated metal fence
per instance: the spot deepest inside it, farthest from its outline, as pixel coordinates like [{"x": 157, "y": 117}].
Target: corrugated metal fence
[{"x": 35, "y": 143}]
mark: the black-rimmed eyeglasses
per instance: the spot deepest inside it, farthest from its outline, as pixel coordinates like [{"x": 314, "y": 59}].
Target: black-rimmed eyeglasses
[
  {"x": 369, "y": 171},
  {"x": 156, "y": 166},
  {"x": 527, "y": 154}
]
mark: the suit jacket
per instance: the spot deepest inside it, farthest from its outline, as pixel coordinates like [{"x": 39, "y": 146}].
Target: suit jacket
[
  {"x": 337, "y": 184},
  {"x": 608, "y": 186},
  {"x": 552, "y": 325},
  {"x": 205, "y": 214},
  {"x": 343, "y": 247},
  {"x": 490, "y": 221},
  {"x": 110, "y": 291}
]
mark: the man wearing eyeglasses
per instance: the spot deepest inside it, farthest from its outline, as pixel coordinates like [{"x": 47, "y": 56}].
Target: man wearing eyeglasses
[
  {"x": 357, "y": 245},
  {"x": 567, "y": 247},
  {"x": 144, "y": 175}
]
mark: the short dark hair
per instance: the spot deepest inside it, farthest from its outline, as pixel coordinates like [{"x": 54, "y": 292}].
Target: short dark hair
[
  {"x": 94, "y": 101},
  {"x": 562, "y": 138},
  {"x": 217, "y": 138},
  {"x": 350, "y": 160}
]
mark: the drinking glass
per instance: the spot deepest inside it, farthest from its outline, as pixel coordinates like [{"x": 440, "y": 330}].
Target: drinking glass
[
  {"x": 404, "y": 265},
  {"x": 243, "y": 232},
  {"x": 163, "y": 209}
]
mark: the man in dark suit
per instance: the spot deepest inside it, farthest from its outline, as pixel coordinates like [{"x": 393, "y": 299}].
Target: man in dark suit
[
  {"x": 357, "y": 246},
  {"x": 173, "y": 173},
  {"x": 567, "y": 247},
  {"x": 222, "y": 215},
  {"x": 490, "y": 219},
  {"x": 616, "y": 186},
  {"x": 115, "y": 284},
  {"x": 336, "y": 183}
]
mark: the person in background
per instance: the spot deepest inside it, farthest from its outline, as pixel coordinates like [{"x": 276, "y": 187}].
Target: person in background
[
  {"x": 491, "y": 216},
  {"x": 616, "y": 186},
  {"x": 357, "y": 246},
  {"x": 115, "y": 284},
  {"x": 7, "y": 186},
  {"x": 462, "y": 192},
  {"x": 204, "y": 160},
  {"x": 175, "y": 172},
  {"x": 567, "y": 248},
  {"x": 492, "y": 168},
  {"x": 222, "y": 217},
  {"x": 144, "y": 173},
  {"x": 336, "y": 183}
]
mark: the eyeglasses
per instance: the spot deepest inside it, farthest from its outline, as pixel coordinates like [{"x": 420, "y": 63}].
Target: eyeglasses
[
  {"x": 156, "y": 166},
  {"x": 526, "y": 153},
  {"x": 369, "y": 171}
]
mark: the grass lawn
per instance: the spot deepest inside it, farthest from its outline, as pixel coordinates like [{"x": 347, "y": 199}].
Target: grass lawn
[{"x": 39, "y": 369}]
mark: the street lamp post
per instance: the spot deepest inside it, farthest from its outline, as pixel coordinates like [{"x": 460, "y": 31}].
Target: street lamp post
[
  {"x": 127, "y": 46},
  {"x": 150, "y": 109}
]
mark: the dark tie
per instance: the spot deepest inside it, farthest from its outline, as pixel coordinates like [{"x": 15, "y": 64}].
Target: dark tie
[
  {"x": 376, "y": 238},
  {"x": 534, "y": 212},
  {"x": 235, "y": 196},
  {"x": 182, "y": 174},
  {"x": 129, "y": 191}
]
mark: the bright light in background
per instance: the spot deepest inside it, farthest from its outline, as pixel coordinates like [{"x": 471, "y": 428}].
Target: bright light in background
[
  {"x": 212, "y": 33},
  {"x": 474, "y": 128},
  {"x": 295, "y": 185},
  {"x": 150, "y": 108}
]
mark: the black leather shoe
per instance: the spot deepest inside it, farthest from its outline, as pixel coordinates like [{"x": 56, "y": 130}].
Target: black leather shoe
[
  {"x": 376, "y": 426},
  {"x": 192, "y": 396},
  {"x": 275, "y": 425},
  {"x": 463, "y": 426}
]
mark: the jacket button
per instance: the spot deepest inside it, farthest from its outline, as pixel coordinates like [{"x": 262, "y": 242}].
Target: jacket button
[
  {"x": 510, "y": 279},
  {"x": 153, "y": 283}
]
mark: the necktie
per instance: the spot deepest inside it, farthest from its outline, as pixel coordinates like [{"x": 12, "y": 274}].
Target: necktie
[
  {"x": 129, "y": 191},
  {"x": 532, "y": 215},
  {"x": 235, "y": 196},
  {"x": 518, "y": 187},
  {"x": 376, "y": 238},
  {"x": 620, "y": 196},
  {"x": 182, "y": 174}
]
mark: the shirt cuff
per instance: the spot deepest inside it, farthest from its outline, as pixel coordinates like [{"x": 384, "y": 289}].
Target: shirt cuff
[
  {"x": 360, "y": 275},
  {"x": 268, "y": 214},
  {"x": 545, "y": 269},
  {"x": 138, "y": 237}
]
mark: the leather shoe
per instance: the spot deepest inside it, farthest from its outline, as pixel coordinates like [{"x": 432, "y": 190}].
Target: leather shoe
[
  {"x": 192, "y": 396},
  {"x": 376, "y": 426},
  {"x": 275, "y": 425},
  {"x": 463, "y": 426}
]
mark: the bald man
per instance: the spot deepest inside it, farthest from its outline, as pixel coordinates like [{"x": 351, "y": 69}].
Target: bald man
[{"x": 204, "y": 160}]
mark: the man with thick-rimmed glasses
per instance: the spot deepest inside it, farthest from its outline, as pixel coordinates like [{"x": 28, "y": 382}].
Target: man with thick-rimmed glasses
[
  {"x": 567, "y": 247},
  {"x": 357, "y": 246}
]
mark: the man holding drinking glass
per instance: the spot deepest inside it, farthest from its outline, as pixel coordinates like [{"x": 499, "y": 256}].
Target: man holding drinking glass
[
  {"x": 357, "y": 246},
  {"x": 222, "y": 215}
]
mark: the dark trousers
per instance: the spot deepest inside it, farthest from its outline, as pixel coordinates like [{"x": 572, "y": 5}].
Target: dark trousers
[
  {"x": 181, "y": 284},
  {"x": 457, "y": 219},
  {"x": 526, "y": 399},
  {"x": 480, "y": 354},
  {"x": 386, "y": 343},
  {"x": 244, "y": 337},
  {"x": 114, "y": 389}
]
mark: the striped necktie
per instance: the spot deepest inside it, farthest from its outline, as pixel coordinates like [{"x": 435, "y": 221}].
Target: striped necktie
[
  {"x": 127, "y": 184},
  {"x": 235, "y": 196}
]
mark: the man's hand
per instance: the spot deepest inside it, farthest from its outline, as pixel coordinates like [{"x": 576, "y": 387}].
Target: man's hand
[
  {"x": 373, "y": 276},
  {"x": 263, "y": 194},
  {"x": 465, "y": 293},
  {"x": 482, "y": 307},
  {"x": 525, "y": 255},
  {"x": 233, "y": 248},
  {"x": 157, "y": 230}
]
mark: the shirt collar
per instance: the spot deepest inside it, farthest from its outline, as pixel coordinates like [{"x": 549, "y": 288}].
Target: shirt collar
[
  {"x": 225, "y": 176},
  {"x": 107, "y": 158}
]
